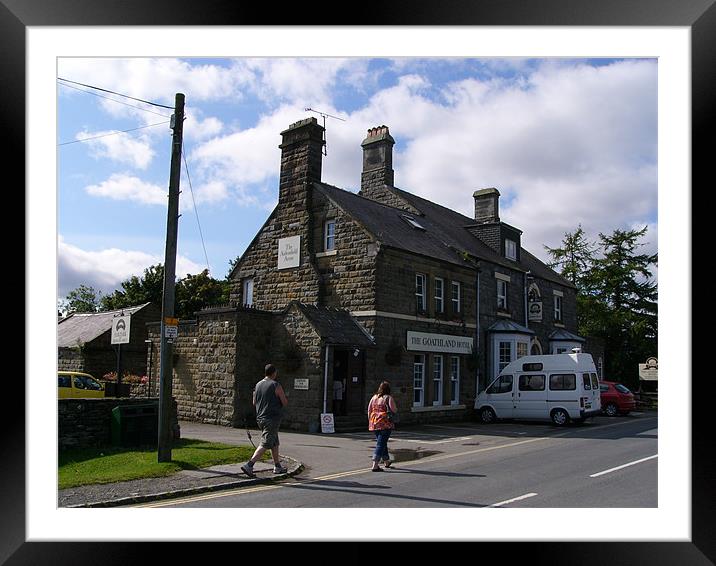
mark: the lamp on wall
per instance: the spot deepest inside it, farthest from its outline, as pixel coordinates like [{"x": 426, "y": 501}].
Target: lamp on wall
[{"x": 356, "y": 352}]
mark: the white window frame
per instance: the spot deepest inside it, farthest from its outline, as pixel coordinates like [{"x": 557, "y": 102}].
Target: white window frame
[
  {"x": 248, "y": 291},
  {"x": 504, "y": 338},
  {"x": 439, "y": 299},
  {"x": 558, "y": 308},
  {"x": 438, "y": 371},
  {"x": 421, "y": 277},
  {"x": 502, "y": 294},
  {"x": 328, "y": 237},
  {"x": 419, "y": 374},
  {"x": 454, "y": 380},
  {"x": 510, "y": 249},
  {"x": 456, "y": 306}
]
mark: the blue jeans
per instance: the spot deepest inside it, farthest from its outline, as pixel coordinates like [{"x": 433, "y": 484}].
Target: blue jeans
[{"x": 381, "y": 446}]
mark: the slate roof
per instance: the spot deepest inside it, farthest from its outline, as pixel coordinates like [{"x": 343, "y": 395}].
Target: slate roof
[
  {"x": 565, "y": 335},
  {"x": 509, "y": 327},
  {"x": 445, "y": 233},
  {"x": 80, "y": 328},
  {"x": 336, "y": 326}
]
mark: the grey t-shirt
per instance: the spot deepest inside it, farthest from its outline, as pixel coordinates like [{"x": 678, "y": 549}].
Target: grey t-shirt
[{"x": 268, "y": 405}]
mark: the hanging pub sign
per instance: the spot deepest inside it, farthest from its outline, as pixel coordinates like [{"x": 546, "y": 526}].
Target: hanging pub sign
[
  {"x": 289, "y": 252},
  {"x": 535, "y": 311},
  {"x": 650, "y": 370}
]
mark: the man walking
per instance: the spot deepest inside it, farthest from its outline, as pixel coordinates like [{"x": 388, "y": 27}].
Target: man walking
[{"x": 269, "y": 401}]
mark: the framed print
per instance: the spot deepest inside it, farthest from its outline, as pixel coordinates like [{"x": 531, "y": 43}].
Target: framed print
[{"x": 34, "y": 30}]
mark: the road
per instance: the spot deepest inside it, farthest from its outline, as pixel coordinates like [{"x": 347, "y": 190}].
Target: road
[{"x": 608, "y": 462}]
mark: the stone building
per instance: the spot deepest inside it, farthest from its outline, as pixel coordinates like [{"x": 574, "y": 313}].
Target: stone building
[
  {"x": 364, "y": 287},
  {"x": 84, "y": 341}
]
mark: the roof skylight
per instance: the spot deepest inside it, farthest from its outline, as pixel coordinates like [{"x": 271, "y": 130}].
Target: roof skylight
[{"x": 414, "y": 223}]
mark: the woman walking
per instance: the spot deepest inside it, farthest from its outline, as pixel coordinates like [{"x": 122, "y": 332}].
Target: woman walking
[{"x": 380, "y": 423}]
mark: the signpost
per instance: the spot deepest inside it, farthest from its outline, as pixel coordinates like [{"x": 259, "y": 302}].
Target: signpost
[
  {"x": 121, "y": 326},
  {"x": 164, "y": 449}
]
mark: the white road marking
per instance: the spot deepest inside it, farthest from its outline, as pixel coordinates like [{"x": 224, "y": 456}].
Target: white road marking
[
  {"x": 501, "y": 503},
  {"x": 623, "y": 466},
  {"x": 420, "y": 461}
]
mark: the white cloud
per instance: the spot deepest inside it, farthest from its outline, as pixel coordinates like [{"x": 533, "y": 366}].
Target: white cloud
[
  {"x": 121, "y": 186},
  {"x": 119, "y": 147},
  {"x": 106, "y": 269}
]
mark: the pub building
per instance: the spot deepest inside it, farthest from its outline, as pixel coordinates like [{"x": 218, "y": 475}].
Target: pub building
[{"x": 361, "y": 288}]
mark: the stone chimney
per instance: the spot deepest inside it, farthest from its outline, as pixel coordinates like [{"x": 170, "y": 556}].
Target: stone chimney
[
  {"x": 301, "y": 159},
  {"x": 377, "y": 159},
  {"x": 487, "y": 205}
]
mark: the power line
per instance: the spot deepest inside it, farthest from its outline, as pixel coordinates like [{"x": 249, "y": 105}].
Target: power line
[
  {"x": 115, "y": 100},
  {"x": 113, "y": 133},
  {"x": 191, "y": 189},
  {"x": 117, "y": 93}
]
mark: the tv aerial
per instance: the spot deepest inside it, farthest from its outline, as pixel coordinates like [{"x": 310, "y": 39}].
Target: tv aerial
[{"x": 324, "y": 116}]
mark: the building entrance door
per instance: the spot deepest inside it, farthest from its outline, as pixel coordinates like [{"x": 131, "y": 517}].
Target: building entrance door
[{"x": 350, "y": 369}]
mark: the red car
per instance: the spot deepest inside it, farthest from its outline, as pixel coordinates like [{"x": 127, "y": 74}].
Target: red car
[{"x": 616, "y": 398}]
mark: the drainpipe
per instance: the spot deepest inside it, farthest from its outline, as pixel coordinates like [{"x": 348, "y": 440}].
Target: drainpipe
[
  {"x": 325, "y": 379},
  {"x": 477, "y": 328},
  {"x": 524, "y": 278}
]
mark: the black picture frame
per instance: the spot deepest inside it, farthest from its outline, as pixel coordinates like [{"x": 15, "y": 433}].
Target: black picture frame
[{"x": 698, "y": 15}]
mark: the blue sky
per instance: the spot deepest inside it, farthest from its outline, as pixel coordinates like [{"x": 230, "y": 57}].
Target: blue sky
[{"x": 566, "y": 141}]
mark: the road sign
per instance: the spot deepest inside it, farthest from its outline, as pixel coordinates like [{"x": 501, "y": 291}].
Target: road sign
[
  {"x": 327, "y": 424},
  {"x": 650, "y": 370},
  {"x": 120, "y": 329}
]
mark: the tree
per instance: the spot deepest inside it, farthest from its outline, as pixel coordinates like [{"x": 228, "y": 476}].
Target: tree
[
  {"x": 82, "y": 299},
  {"x": 622, "y": 281},
  {"x": 195, "y": 292},
  {"x": 138, "y": 290},
  {"x": 616, "y": 297},
  {"x": 574, "y": 258}
]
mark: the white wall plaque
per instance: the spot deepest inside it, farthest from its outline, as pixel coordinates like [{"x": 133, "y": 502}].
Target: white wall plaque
[
  {"x": 289, "y": 252},
  {"x": 424, "y": 342},
  {"x": 300, "y": 383}
]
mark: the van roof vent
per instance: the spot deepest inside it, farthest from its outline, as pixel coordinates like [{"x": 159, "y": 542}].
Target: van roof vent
[{"x": 576, "y": 350}]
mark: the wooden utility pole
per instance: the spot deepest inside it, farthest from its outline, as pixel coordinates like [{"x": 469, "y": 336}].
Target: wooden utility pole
[{"x": 168, "y": 325}]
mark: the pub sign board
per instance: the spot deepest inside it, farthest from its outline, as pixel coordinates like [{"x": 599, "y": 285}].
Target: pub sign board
[
  {"x": 445, "y": 343},
  {"x": 289, "y": 252}
]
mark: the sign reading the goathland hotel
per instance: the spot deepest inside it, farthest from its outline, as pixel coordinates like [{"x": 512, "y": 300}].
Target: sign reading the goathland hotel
[{"x": 423, "y": 342}]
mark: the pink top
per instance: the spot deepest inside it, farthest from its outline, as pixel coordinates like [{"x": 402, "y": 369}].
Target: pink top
[{"x": 378, "y": 412}]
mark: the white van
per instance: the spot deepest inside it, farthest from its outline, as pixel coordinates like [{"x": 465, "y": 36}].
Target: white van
[{"x": 556, "y": 387}]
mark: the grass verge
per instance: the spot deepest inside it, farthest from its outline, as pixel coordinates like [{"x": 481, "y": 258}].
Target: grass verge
[{"x": 111, "y": 464}]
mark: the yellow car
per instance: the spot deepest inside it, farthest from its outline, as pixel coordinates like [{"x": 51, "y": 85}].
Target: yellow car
[{"x": 76, "y": 385}]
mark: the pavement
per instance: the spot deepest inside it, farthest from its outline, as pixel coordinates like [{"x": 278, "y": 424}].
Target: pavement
[{"x": 184, "y": 482}]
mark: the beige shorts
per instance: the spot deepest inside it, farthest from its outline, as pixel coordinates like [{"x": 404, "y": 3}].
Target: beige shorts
[{"x": 269, "y": 432}]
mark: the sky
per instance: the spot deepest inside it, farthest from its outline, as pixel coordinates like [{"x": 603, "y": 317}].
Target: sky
[{"x": 567, "y": 142}]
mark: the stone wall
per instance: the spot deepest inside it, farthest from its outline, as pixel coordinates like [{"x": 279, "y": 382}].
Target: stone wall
[
  {"x": 274, "y": 289},
  {"x": 348, "y": 276},
  {"x": 85, "y": 423},
  {"x": 292, "y": 334},
  {"x": 204, "y": 360},
  {"x": 70, "y": 359},
  {"x": 391, "y": 333}
]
